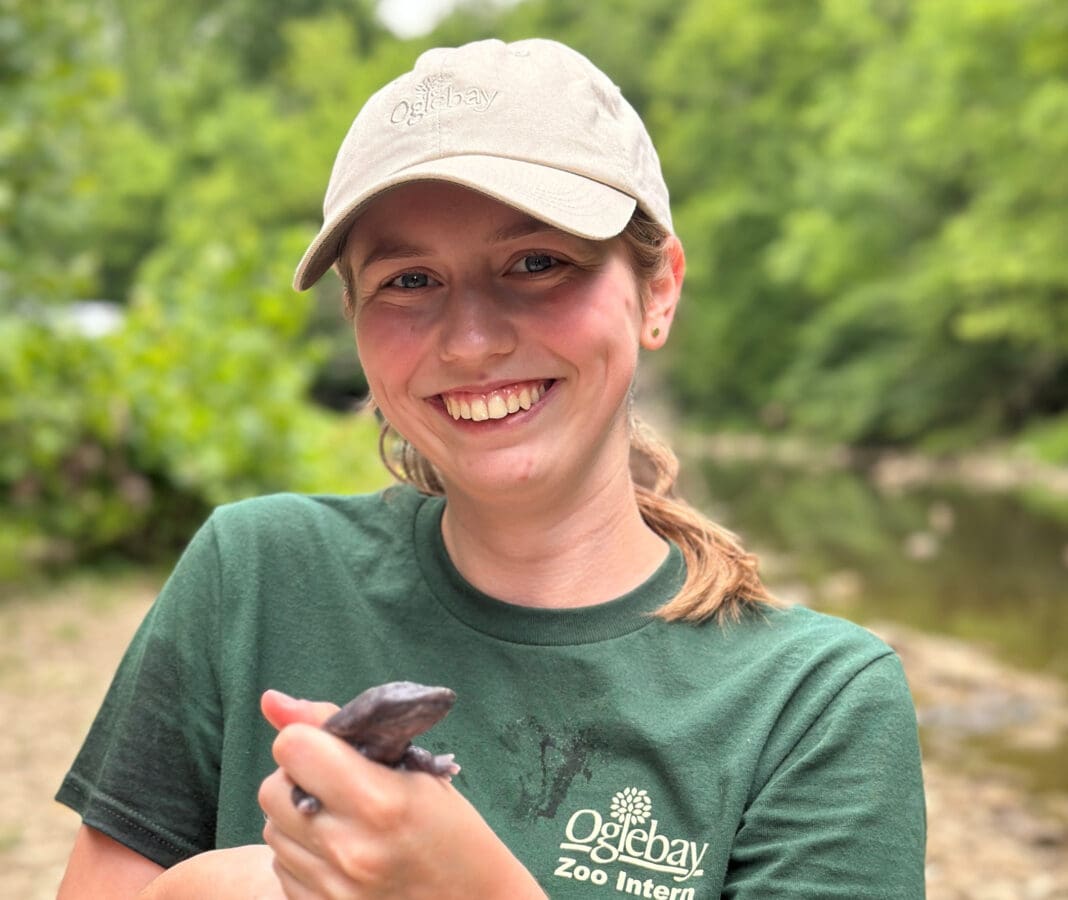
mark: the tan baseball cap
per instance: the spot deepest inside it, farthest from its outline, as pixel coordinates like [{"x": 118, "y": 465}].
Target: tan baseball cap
[{"x": 533, "y": 124}]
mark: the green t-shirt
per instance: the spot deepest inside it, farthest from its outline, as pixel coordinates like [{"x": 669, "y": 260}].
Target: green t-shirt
[{"x": 613, "y": 752}]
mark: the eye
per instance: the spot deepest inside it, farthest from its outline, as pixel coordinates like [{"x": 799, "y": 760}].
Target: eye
[
  {"x": 410, "y": 281},
  {"x": 535, "y": 262}
]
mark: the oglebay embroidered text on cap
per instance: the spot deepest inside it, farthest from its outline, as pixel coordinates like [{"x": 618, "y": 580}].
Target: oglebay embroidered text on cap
[{"x": 437, "y": 93}]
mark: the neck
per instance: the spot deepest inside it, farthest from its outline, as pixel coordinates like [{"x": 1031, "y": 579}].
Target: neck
[{"x": 552, "y": 552}]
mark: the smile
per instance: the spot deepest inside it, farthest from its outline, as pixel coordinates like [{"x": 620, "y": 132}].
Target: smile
[{"x": 496, "y": 404}]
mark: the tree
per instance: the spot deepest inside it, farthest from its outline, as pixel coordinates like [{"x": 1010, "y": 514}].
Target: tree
[
  {"x": 54, "y": 88},
  {"x": 929, "y": 228}
]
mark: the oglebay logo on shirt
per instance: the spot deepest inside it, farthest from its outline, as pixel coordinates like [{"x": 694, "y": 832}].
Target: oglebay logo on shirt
[{"x": 617, "y": 843}]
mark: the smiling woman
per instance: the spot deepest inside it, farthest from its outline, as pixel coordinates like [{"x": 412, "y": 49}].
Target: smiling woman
[{"x": 504, "y": 274}]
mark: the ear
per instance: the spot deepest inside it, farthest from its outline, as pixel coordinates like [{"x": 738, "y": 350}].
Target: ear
[{"x": 663, "y": 299}]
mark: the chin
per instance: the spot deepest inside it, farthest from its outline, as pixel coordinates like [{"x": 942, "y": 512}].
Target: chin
[{"x": 500, "y": 478}]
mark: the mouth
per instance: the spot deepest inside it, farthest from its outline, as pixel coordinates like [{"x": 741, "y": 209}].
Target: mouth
[{"x": 496, "y": 404}]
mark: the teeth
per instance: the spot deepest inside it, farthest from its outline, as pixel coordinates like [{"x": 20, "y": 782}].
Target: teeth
[
  {"x": 498, "y": 405},
  {"x": 497, "y": 408}
]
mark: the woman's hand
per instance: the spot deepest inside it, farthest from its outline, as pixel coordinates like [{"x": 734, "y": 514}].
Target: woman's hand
[
  {"x": 380, "y": 832},
  {"x": 280, "y": 710}
]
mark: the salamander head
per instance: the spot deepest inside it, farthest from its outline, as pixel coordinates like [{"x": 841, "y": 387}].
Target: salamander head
[{"x": 391, "y": 714}]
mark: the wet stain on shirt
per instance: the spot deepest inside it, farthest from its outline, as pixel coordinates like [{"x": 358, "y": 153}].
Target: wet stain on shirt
[{"x": 562, "y": 758}]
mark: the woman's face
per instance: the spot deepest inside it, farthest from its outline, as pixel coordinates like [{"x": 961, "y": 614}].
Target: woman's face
[{"x": 501, "y": 348}]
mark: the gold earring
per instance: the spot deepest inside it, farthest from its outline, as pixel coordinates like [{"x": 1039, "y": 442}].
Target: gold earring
[{"x": 656, "y": 332}]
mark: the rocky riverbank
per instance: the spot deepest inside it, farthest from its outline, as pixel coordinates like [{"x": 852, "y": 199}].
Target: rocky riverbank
[
  {"x": 995, "y": 831},
  {"x": 992, "y": 836}
]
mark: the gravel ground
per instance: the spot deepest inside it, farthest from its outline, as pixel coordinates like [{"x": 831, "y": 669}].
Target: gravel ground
[
  {"x": 58, "y": 651},
  {"x": 989, "y": 837}
]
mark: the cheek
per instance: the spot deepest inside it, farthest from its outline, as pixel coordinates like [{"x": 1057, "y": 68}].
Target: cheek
[
  {"x": 609, "y": 322},
  {"x": 388, "y": 352}
]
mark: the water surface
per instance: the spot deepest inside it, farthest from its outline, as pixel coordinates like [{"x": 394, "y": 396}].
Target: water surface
[{"x": 985, "y": 567}]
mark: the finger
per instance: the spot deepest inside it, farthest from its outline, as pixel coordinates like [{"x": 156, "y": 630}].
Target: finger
[
  {"x": 293, "y": 888},
  {"x": 276, "y": 800},
  {"x": 322, "y": 766},
  {"x": 304, "y": 871},
  {"x": 273, "y": 793},
  {"x": 311, "y": 887},
  {"x": 281, "y": 710},
  {"x": 344, "y": 780},
  {"x": 299, "y": 858},
  {"x": 348, "y": 785},
  {"x": 296, "y": 881}
]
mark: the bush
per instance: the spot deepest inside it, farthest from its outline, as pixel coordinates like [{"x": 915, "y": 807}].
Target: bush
[{"x": 125, "y": 442}]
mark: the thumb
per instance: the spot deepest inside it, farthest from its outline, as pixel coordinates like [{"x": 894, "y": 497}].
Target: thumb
[{"x": 281, "y": 710}]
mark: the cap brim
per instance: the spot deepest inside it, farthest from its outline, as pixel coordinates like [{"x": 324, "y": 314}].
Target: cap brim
[{"x": 562, "y": 199}]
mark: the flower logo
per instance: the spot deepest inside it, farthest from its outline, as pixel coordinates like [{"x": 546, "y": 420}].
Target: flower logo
[{"x": 631, "y": 806}]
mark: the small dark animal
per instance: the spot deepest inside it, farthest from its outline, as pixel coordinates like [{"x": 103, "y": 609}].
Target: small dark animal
[{"x": 381, "y": 723}]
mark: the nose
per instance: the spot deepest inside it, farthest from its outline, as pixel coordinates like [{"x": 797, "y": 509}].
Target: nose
[{"x": 476, "y": 325}]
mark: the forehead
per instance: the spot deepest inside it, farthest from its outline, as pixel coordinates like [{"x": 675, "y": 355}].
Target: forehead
[{"x": 408, "y": 216}]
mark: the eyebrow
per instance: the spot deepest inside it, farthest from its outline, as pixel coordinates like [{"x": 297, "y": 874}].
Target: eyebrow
[{"x": 390, "y": 249}]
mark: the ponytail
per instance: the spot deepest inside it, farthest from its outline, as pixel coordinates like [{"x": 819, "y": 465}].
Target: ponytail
[{"x": 721, "y": 576}]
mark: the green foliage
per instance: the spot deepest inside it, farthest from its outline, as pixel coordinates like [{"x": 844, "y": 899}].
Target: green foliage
[
  {"x": 871, "y": 194},
  {"x": 124, "y": 442},
  {"x": 926, "y": 224},
  {"x": 52, "y": 79}
]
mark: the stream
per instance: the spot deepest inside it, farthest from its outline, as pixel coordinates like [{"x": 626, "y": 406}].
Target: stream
[{"x": 987, "y": 568}]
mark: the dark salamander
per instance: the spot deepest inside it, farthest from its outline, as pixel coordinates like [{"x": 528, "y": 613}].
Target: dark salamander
[{"x": 381, "y": 723}]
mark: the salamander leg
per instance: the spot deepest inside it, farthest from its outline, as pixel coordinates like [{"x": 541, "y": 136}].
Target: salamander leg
[{"x": 420, "y": 760}]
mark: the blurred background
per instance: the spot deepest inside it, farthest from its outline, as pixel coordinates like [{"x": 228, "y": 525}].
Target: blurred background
[{"x": 869, "y": 380}]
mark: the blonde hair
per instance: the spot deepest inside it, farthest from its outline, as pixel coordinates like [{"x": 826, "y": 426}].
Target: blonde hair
[{"x": 722, "y": 578}]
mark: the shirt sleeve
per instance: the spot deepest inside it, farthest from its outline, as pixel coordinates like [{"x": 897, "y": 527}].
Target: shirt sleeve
[
  {"x": 148, "y": 772},
  {"x": 842, "y": 814}
]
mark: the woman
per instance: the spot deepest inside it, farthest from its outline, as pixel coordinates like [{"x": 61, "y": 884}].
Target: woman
[{"x": 635, "y": 713}]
